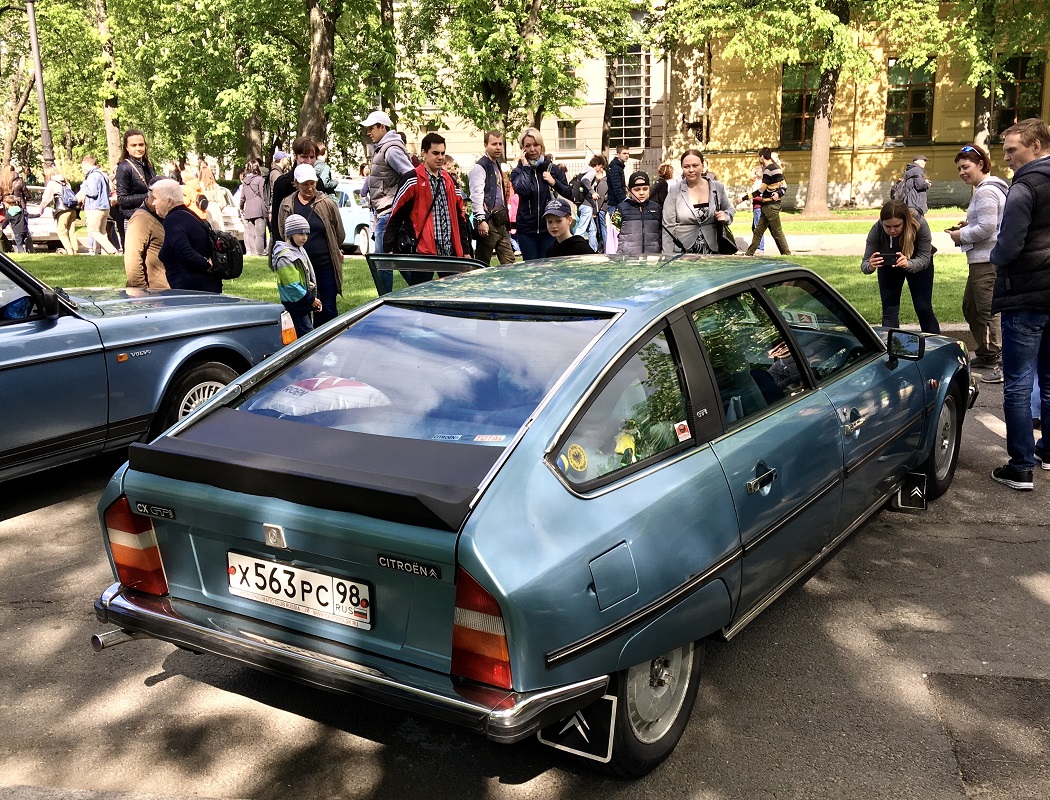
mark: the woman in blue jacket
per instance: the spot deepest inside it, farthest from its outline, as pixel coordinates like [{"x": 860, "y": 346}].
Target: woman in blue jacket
[{"x": 536, "y": 181}]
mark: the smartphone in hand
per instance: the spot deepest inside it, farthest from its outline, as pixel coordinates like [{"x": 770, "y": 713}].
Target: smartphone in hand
[{"x": 889, "y": 257}]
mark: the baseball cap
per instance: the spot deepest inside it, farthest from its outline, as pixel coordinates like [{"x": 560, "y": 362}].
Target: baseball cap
[
  {"x": 280, "y": 155},
  {"x": 557, "y": 208},
  {"x": 304, "y": 173},
  {"x": 376, "y": 118},
  {"x": 296, "y": 223},
  {"x": 638, "y": 179},
  {"x": 920, "y": 158}
]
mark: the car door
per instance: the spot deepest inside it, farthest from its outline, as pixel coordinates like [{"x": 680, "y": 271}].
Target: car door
[
  {"x": 781, "y": 447},
  {"x": 879, "y": 401},
  {"x": 52, "y": 379}
]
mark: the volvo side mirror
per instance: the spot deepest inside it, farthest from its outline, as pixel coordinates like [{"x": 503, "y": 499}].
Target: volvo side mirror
[{"x": 905, "y": 344}]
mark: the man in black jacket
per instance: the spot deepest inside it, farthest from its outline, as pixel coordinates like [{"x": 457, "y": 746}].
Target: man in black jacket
[
  {"x": 617, "y": 184},
  {"x": 1022, "y": 296}
]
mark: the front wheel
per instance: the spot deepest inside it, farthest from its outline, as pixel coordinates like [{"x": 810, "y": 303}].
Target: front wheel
[
  {"x": 654, "y": 702},
  {"x": 944, "y": 455},
  {"x": 363, "y": 242},
  {"x": 190, "y": 390}
]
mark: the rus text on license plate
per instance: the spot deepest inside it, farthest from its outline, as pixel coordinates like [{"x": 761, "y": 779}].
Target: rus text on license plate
[{"x": 305, "y": 591}]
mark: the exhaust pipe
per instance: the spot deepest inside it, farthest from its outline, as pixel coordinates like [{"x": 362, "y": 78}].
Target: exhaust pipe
[{"x": 101, "y": 641}]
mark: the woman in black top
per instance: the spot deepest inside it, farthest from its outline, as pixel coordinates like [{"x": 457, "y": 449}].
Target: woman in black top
[{"x": 134, "y": 173}]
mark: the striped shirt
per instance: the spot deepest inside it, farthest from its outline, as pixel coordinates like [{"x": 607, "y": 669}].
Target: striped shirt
[{"x": 774, "y": 187}]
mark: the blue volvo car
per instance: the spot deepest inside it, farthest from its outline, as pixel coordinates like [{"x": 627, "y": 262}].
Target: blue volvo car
[
  {"x": 91, "y": 370},
  {"x": 521, "y": 499}
]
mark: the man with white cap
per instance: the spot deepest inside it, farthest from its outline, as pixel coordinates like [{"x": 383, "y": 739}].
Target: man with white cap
[{"x": 389, "y": 162}]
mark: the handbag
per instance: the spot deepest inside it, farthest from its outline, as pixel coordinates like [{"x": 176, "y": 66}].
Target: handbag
[{"x": 726, "y": 241}]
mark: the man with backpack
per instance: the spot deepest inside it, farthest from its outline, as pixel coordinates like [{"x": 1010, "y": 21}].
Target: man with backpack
[
  {"x": 584, "y": 195},
  {"x": 911, "y": 189},
  {"x": 94, "y": 194}
]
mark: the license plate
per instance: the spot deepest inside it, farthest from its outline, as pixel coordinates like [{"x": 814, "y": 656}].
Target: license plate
[{"x": 301, "y": 590}]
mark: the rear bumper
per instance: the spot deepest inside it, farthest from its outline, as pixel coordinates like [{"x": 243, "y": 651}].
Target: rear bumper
[{"x": 502, "y": 716}]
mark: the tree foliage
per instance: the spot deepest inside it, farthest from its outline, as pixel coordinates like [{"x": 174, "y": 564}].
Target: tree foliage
[{"x": 504, "y": 64}]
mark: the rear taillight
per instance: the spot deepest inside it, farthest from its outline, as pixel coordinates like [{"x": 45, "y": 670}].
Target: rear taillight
[
  {"x": 288, "y": 334},
  {"x": 479, "y": 641},
  {"x": 133, "y": 543}
]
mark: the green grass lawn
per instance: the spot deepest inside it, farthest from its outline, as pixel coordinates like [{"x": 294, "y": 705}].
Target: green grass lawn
[
  {"x": 850, "y": 220},
  {"x": 842, "y": 272}
]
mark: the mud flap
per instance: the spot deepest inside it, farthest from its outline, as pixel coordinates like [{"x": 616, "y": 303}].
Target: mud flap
[
  {"x": 912, "y": 493},
  {"x": 588, "y": 733}
]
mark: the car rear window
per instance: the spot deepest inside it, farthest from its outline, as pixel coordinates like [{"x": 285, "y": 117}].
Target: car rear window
[{"x": 440, "y": 374}]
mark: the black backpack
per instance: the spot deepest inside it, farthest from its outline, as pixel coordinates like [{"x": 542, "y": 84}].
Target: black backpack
[
  {"x": 578, "y": 190},
  {"x": 227, "y": 258}
]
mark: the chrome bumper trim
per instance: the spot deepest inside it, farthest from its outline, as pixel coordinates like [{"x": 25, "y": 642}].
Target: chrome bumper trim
[{"x": 504, "y": 717}]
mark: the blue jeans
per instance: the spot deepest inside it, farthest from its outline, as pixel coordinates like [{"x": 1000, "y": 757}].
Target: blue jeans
[
  {"x": 586, "y": 226},
  {"x": 1026, "y": 350},
  {"x": 756, "y": 215},
  {"x": 384, "y": 278},
  {"x": 534, "y": 245}
]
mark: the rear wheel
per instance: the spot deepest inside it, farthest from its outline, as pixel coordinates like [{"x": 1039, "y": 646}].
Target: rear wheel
[
  {"x": 944, "y": 456},
  {"x": 191, "y": 389},
  {"x": 654, "y": 702}
]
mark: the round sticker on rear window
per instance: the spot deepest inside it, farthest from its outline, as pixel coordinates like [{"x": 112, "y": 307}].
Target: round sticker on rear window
[{"x": 577, "y": 457}]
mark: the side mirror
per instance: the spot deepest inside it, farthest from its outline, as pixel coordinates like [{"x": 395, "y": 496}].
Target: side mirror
[
  {"x": 906, "y": 345},
  {"x": 49, "y": 305}
]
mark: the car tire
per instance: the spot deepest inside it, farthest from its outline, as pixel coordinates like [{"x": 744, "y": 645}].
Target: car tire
[
  {"x": 190, "y": 389},
  {"x": 939, "y": 468},
  {"x": 654, "y": 702},
  {"x": 363, "y": 241}
]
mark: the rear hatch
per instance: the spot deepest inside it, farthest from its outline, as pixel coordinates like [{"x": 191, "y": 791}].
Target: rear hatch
[
  {"x": 327, "y": 499},
  {"x": 376, "y": 586}
]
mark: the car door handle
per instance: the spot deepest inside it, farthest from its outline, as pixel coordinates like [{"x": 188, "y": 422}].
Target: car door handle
[
  {"x": 761, "y": 482},
  {"x": 853, "y": 425}
]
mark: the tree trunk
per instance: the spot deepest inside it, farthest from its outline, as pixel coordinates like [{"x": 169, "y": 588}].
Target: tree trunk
[
  {"x": 820, "y": 155},
  {"x": 19, "y": 98},
  {"x": 109, "y": 85},
  {"x": 610, "y": 99},
  {"x": 982, "y": 116},
  {"x": 313, "y": 118},
  {"x": 387, "y": 99},
  {"x": 253, "y": 137}
]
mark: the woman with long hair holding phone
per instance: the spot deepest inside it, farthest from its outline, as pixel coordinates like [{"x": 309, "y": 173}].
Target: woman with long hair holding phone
[{"x": 900, "y": 248}]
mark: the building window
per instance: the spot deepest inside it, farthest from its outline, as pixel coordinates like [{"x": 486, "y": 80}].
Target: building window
[
  {"x": 630, "y": 106},
  {"x": 798, "y": 103},
  {"x": 1021, "y": 88},
  {"x": 909, "y": 104},
  {"x": 567, "y": 134}
]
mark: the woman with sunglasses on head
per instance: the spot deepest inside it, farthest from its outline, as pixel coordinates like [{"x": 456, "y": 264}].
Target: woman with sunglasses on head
[
  {"x": 900, "y": 248},
  {"x": 976, "y": 237}
]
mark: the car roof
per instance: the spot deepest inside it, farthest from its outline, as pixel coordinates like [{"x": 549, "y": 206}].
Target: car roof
[{"x": 637, "y": 285}]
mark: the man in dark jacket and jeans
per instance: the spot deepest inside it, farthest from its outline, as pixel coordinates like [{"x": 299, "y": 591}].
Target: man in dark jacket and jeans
[{"x": 1022, "y": 296}]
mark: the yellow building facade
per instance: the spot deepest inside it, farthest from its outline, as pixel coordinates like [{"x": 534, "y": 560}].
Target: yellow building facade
[{"x": 700, "y": 98}]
